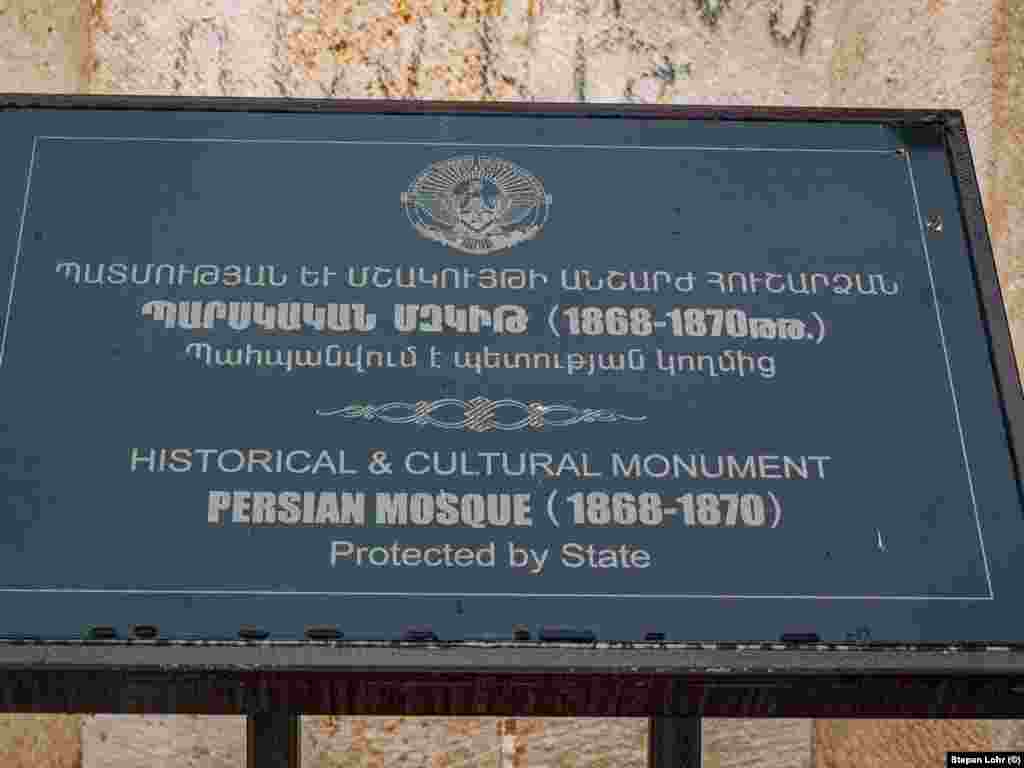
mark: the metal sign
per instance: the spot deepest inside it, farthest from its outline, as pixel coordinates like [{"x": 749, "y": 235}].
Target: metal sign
[{"x": 485, "y": 374}]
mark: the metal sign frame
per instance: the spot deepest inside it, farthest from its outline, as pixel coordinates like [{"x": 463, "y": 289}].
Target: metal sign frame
[{"x": 671, "y": 682}]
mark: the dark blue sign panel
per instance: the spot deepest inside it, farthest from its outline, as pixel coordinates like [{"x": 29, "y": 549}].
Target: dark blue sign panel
[{"x": 381, "y": 371}]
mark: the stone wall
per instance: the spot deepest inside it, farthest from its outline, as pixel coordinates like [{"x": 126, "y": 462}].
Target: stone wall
[{"x": 964, "y": 54}]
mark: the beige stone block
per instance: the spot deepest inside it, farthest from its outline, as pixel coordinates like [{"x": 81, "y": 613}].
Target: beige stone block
[
  {"x": 380, "y": 742},
  {"x": 555, "y": 47},
  {"x": 1007, "y": 735},
  {"x": 40, "y": 741},
  {"x": 578, "y": 743},
  {"x": 44, "y": 46},
  {"x": 896, "y": 743},
  {"x": 190, "y": 47},
  {"x": 172, "y": 741},
  {"x": 765, "y": 743}
]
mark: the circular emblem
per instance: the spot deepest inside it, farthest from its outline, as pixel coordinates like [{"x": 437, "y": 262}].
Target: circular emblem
[{"x": 476, "y": 204}]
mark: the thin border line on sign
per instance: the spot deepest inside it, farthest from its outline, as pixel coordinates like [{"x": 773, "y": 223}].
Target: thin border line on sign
[
  {"x": 956, "y": 410},
  {"x": 467, "y": 144},
  {"x": 949, "y": 371},
  {"x": 17, "y": 250},
  {"x": 298, "y": 593}
]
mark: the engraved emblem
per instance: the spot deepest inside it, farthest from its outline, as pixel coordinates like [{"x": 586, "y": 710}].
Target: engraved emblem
[{"x": 476, "y": 204}]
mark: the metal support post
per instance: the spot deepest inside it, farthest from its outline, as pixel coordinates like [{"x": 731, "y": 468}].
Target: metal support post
[
  {"x": 674, "y": 742},
  {"x": 272, "y": 740}
]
